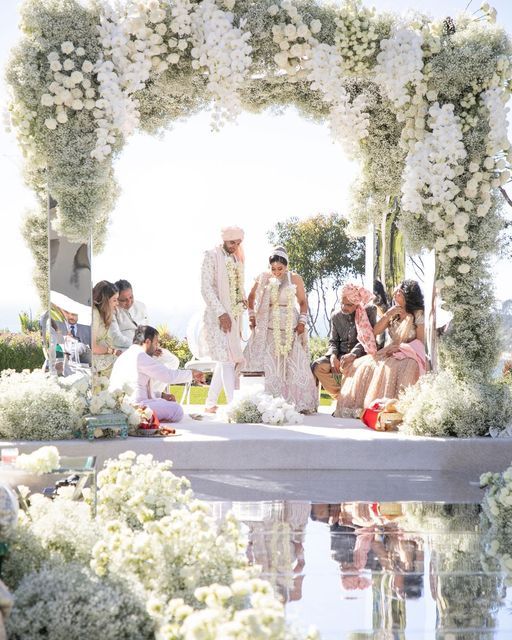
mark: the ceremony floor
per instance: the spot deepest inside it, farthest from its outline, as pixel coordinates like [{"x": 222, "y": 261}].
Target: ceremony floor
[{"x": 322, "y": 459}]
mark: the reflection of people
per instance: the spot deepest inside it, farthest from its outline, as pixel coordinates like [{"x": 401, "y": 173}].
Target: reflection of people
[
  {"x": 397, "y": 365},
  {"x": 222, "y": 288},
  {"x": 279, "y": 344},
  {"x": 104, "y": 297},
  {"x": 76, "y": 337},
  {"x": 276, "y": 542},
  {"x": 130, "y": 313},
  {"x": 135, "y": 371},
  {"x": 350, "y": 337}
]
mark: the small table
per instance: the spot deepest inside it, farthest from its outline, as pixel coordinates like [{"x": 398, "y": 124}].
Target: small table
[{"x": 83, "y": 466}]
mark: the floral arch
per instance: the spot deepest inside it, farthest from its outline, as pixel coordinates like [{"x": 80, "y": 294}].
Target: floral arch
[{"x": 421, "y": 103}]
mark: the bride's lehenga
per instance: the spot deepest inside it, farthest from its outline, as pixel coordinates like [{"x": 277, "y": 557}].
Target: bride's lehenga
[
  {"x": 287, "y": 376},
  {"x": 373, "y": 377}
]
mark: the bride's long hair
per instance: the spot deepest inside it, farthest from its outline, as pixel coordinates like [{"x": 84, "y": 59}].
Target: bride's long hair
[{"x": 101, "y": 295}]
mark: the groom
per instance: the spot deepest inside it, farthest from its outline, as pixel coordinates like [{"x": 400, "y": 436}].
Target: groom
[{"x": 222, "y": 288}]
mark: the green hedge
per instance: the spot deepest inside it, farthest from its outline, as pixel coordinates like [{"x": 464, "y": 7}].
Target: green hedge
[{"x": 20, "y": 351}]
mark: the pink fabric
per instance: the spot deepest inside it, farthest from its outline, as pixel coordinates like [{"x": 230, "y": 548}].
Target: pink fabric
[
  {"x": 414, "y": 350},
  {"x": 361, "y": 297},
  {"x": 233, "y": 336}
]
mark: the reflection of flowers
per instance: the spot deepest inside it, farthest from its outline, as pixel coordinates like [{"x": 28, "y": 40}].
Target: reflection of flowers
[{"x": 42, "y": 460}]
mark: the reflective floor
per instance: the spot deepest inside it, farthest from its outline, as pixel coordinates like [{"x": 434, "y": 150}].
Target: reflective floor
[{"x": 384, "y": 570}]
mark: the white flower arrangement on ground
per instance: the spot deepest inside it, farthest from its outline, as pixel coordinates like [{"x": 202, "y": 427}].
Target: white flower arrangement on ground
[
  {"x": 42, "y": 460},
  {"x": 258, "y": 407},
  {"x": 162, "y": 566},
  {"x": 442, "y": 405},
  {"x": 34, "y": 406}
]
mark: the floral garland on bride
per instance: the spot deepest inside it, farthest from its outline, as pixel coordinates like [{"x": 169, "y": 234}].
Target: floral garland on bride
[{"x": 282, "y": 348}]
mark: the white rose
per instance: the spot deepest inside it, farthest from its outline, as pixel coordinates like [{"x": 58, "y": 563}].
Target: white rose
[
  {"x": 173, "y": 58},
  {"x": 90, "y": 93},
  {"x": 55, "y": 65},
  {"x": 53, "y": 55},
  {"x": 449, "y": 281},
  {"x": 80, "y": 51},
  {"x": 77, "y": 76},
  {"x": 182, "y": 45},
  {"x": 51, "y": 123},
  {"x": 161, "y": 29},
  {"x": 68, "y": 64},
  {"x": 504, "y": 177},
  {"x": 465, "y": 251},
  {"x": 89, "y": 104},
  {"x": 67, "y": 47},
  {"x": 489, "y": 163},
  {"x": 77, "y": 105},
  {"x": 464, "y": 268},
  {"x": 62, "y": 117},
  {"x": 87, "y": 66},
  {"x": 290, "y": 31},
  {"x": 440, "y": 244},
  {"x": 302, "y": 31},
  {"x": 273, "y": 9},
  {"x": 315, "y": 26},
  {"x": 47, "y": 100}
]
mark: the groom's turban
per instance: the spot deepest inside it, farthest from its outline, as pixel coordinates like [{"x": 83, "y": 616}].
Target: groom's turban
[{"x": 229, "y": 234}]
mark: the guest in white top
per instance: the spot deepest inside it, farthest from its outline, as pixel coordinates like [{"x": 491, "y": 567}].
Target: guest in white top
[
  {"x": 129, "y": 315},
  {"x": 135, "y": 372}
]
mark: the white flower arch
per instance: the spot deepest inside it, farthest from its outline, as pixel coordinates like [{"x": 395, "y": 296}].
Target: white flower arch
[{"x": 421, "y": 103}]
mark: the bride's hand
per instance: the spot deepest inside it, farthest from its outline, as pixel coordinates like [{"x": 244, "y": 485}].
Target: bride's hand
[{"x": 252, "y": 323}]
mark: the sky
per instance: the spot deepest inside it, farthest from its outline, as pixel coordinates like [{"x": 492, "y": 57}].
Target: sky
[{"x": 177, "y": 192}]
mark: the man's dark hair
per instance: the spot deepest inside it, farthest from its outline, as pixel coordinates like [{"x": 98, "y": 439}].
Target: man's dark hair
[
  {"x": 144, "y": 332},
  {"x": 122, "y": 285}
]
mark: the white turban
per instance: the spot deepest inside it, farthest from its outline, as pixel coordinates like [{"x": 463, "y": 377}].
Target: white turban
[{"x": 230, "y": 234}]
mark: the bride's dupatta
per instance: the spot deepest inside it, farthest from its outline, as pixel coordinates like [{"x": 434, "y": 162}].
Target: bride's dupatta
[{"x": 255, "y": 349}]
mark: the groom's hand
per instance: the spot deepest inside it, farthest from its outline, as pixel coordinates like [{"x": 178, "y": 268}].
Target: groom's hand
[{"x": 225, "y": 322}]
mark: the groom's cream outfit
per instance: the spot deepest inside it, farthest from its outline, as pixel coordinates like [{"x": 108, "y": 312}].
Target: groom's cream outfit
[{"x": 223, "y": 348}]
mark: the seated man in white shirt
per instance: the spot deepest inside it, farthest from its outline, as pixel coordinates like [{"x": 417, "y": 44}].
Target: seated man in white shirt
[{"x": 135, "y": 371}]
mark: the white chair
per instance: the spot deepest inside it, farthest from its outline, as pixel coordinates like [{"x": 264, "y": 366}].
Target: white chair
[{"x": 199, "y": 364}]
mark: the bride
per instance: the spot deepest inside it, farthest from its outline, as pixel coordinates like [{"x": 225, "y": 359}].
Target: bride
[{"x": 278, "y": 344}]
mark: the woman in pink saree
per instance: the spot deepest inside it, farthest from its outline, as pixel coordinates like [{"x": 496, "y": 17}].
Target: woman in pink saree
[{"x": 397, "y": 365}]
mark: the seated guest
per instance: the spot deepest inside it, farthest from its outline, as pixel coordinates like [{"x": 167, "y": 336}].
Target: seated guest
[
  {"x": 76, "y": 335},
  {"x": 399, "y": 364},
  {"x": 104, "y": 298},
  {"x": 130, "y": 313},
  {"x": 350, "y": 337},
  {"x": 135, "y": 372}
]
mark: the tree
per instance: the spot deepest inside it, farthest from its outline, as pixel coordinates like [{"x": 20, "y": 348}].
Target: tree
[{"x": 323, "y": 254}]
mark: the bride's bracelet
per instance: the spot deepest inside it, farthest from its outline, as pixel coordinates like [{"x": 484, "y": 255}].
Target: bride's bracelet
[{"x": 303, "y": 319}]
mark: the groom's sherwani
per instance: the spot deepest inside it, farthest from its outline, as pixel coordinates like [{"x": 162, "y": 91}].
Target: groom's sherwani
[{"x": 213, "y": 342}]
